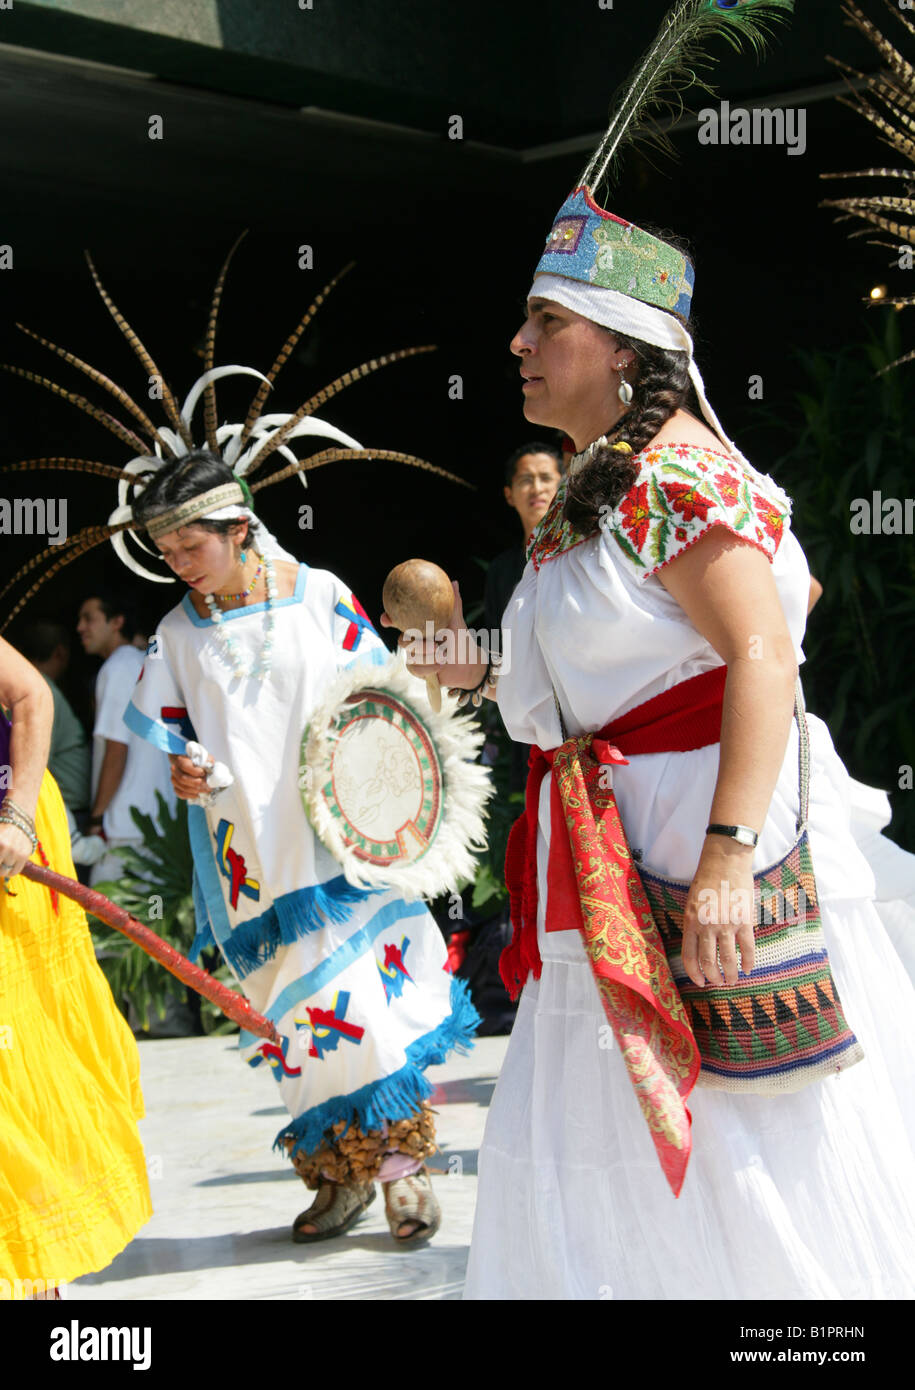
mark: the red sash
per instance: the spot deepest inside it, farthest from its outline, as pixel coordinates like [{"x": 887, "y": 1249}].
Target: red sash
[{"x": 594, "y": 886}]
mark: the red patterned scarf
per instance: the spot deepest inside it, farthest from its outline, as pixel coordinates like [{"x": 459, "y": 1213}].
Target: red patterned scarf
[{"x": 593, "y": 885}]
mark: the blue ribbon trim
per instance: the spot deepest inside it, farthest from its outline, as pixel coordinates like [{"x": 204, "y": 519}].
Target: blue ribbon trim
[
  {"x": 394, "y": 1097},
  {"x": 153, "y": 731},
  {"x": 331, "y": 966}
]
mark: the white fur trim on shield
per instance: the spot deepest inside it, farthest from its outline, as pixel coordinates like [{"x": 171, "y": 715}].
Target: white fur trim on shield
[{"x": 449, "y": 858}]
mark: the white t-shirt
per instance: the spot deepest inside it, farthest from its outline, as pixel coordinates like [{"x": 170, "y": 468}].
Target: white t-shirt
[{"x": 147, "y": 769}]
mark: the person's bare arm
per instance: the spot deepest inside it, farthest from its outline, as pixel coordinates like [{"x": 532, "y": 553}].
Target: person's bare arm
[
  {"x": 109, "y": 778},
  {"x": 727, "y": 591},
  {"x": 26, "y": 695},
  {"x": 816, "y": 593}
]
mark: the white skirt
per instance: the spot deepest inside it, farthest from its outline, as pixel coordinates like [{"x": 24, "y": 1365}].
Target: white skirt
[{"x": 805, "y": 1196}]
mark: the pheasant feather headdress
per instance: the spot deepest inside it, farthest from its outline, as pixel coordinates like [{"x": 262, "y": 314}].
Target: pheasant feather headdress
[
  {"x": 246, "y": 446},
  {"x": 887, "y": 100}
]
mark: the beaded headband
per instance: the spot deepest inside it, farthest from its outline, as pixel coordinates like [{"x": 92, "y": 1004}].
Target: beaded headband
[
  {"x": 597, "y": 247},
  {"x": 194, "y": 509}
]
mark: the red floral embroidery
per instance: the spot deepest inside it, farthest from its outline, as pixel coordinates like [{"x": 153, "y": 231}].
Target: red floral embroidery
[
  {"x": 636, "y": 513},
  {"x": 554, "y": 536},
  {"x": 771, "y": 518},
  {"x": 679, "y": 494},
  {"x": 686, "y": 498},
  {"x": 729, "y": 487}
]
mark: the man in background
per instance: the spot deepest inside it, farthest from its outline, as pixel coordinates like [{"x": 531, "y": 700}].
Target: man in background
[
  {"x": 126, "y": 770},
  {"x": 532, "y": 475}
]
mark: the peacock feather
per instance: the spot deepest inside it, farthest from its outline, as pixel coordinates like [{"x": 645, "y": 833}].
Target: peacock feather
[
  {"x": 670, "y": 66},
  {"x": 887, "y": 102}
]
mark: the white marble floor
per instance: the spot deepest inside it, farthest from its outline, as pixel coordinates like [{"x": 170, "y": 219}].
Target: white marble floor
[{"x": 224, "y": 1202}]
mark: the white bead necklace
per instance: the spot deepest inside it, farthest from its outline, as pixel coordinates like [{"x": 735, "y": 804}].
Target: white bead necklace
[{"x": 261, "y": 667}]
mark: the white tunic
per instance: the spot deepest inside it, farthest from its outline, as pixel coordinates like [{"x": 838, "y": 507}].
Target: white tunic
[
  {"x": 803, "y": 1196},
  {"x": 355, "y": 982}
]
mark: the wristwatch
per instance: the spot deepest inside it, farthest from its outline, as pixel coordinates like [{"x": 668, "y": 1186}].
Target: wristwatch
[{"x": 741, "y": 833}]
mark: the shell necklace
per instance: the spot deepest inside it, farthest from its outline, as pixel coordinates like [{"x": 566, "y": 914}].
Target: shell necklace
[{"x": 261, "y": 667}]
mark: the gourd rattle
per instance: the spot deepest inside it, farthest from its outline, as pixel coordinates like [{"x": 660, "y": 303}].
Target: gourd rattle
[{"x": 414, "y": 594}]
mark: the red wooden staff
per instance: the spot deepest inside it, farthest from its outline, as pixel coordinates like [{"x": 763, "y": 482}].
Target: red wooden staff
[{"x": 233, "y": 1005}]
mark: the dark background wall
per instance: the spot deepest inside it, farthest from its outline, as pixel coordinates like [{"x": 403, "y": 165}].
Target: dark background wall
[{"x": 445, "y": 233}]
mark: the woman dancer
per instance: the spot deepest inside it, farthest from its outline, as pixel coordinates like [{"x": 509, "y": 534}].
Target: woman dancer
[
  {"x": 73, "y": 1185},
  {"x": 356, "y": 982},
  {"x": 667, "y": 564}
]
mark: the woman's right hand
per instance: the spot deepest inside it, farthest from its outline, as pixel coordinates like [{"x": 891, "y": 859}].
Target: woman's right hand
[
  {"x": 188, "y": 781},
  {"x": 15, "y": 850},
  {"x": 455, "y": 656}
]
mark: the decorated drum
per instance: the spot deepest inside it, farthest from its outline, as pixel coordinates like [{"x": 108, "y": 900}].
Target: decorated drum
[{"x": 389, "y": 785}]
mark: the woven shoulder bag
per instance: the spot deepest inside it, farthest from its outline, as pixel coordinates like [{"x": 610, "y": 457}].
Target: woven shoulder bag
[{"x": 782, "y": 1026}]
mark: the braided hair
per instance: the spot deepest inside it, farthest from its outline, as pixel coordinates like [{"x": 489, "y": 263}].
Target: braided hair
[{"x": 660, "y": 388}]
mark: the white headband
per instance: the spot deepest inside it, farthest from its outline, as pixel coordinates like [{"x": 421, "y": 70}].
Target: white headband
[{"x": 624, "y": 314}]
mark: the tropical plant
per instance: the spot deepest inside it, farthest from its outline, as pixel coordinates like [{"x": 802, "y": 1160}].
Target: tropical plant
[
  {"x": 156, "y": 888},
  {"x": 851, "y": 439}
]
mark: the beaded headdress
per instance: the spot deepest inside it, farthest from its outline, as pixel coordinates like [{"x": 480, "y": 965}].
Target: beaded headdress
[
  {"x": 245, "y": 446},
  {"x": 607, "y": 269}
]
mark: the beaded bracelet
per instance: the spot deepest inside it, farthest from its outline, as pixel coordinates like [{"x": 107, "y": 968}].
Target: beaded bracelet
[
  {"x": 14, "y": 810},
  {"x": 6, "y": 819},
  {"x": 489, "y": 682}
]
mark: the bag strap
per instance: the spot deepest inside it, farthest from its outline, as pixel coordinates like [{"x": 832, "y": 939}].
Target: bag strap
[
  {"x": 803, "y": 757},
  {"x": 803, "y": 751}
]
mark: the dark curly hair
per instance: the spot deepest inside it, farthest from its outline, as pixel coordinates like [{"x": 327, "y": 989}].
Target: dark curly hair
[{"x": 661, "y": 386}]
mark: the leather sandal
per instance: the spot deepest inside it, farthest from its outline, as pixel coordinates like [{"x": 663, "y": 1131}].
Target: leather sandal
[
  {"x": 412, "y": 1199},
  {"x": 333, "y": 1211}
]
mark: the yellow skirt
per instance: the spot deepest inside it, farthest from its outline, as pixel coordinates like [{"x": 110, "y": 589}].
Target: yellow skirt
[{"x": 73, "y": 1184}]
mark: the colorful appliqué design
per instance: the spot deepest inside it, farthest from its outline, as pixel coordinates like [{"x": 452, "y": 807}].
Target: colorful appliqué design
[
  {"x": 276, "y": 1056},
  {"x": 681, "y": 491},
  {"x": 394, "y": 972},
  {"x": 233, "y": 866},
  {"x": 359, "y": 621},
  {"x": 177, "y": 714},
  {"x": 554, "y": 535},
  {"x": 328, "y": 1026}
]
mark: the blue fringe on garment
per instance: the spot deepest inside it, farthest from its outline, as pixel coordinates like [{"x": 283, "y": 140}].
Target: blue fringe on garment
[
  {"x": 292, "y": 916},
  {"x": 202, "y": 941},
  {"x": 394, "y": 1097}
]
